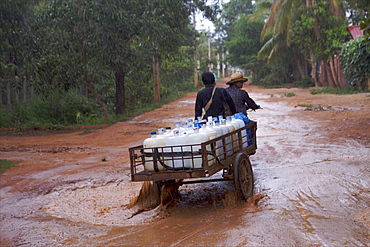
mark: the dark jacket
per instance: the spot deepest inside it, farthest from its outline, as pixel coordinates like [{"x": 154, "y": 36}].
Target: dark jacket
[
  {"x": 241, "y": 99},
  {"x": 220, "y": 96}
]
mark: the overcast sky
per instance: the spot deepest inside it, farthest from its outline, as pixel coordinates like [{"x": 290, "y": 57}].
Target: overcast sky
[{"x": 202, "y": 23}]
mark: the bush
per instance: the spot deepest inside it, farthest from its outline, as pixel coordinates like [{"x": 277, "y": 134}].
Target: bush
[
  {"x": 6, "y": 164},
  {"x": 355, "y": 61},
  {"x": 56, "y": 110},
  {"x": 335, "y": 91},
  {"x": 305, "y": 82}
]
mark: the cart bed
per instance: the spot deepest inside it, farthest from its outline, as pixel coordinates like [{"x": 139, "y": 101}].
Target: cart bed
[{"x": 192, "y": 161}]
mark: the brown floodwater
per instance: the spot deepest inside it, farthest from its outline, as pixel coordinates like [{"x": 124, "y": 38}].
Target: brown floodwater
[{"x": 310, "y": 189}]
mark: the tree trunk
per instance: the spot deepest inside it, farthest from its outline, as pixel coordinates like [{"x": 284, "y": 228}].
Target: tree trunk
[
  {"x": 339, "y": 72},
  {"x": 314, "y": 70},
  {"x": 196, "y": 80},
  {"x": 1, "y": 96},
  {"x": 24, "y": 90},
  {"x": 92, "y": 90},
  {"x": 120, "y": 91},
  {"x": 333, "y": 73},
  {"x": 7, "y": 58},
  {"x": 299, "y": 66},
  {"x": 8, "y": 93},
  {"x": 157, "y": 86},
  {"x": 328, "y": 80},
  {"x": 91, "y": 87},
  {"x": 323, "y": 74}
]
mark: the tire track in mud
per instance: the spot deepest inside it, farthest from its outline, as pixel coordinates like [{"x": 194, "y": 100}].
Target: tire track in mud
[
  {"x": 315, "y": 194},
  {"x": 311, "y": 183}
]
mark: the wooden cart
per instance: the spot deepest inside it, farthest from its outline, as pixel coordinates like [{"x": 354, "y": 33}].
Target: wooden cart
[{"x": 189, "y": 163}]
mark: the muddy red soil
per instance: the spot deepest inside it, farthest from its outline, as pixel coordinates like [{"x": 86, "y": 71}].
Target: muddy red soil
[{"x": 311, "y": 169}]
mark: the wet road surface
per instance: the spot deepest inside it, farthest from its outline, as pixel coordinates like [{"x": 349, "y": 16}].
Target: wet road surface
[{"x": 309, "y": 191}]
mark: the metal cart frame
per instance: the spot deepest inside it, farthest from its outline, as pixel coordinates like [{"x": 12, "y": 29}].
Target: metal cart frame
[{"x": 229, "y": 153}]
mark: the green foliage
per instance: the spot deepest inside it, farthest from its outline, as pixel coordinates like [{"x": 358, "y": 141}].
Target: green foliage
[
  {"x": 318, "y": 31},
  {"x": 272, "y": 74},
  {"x": 290, "y": 94},
  {"x": 6, "y": 164},
  {"x": 65, "y": 46},
  {"x": 357, "y": 10},
  {"x": 365, "y": 25},
  {"x": 355, "y": 61},
  {"x": 336, "y": 91},
  {"x": 306, "y": 105},
  {"x": 244, "y": 42},
  {"x": 230, "y": 14},
  {"x": 304, "y": 82},
  {"x": 56, "y": 110}
]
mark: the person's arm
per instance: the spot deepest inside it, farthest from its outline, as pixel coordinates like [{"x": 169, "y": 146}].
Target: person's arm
[
  {"x": 249, "y": 101},
  {"x": 198, "y": 106}
]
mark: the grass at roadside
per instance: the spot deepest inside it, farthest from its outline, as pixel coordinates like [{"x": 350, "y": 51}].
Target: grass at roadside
[
  {"x": 6, "y": 164},
  {"x": 336, "y": 91}
]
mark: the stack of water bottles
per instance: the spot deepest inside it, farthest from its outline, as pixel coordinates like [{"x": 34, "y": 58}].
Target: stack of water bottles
[{"x": 178, "y": 147}]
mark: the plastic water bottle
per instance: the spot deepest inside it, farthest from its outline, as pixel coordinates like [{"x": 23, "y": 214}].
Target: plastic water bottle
[
  {"x": 178, "y": 127},
  {"x": 216, "y": 126},
  {"x": 161, "y": 138},
  {"x": 208, "y": 129},
  {"x": 238, "y": 121},
  {"x": 184, "y": 128},
  {"x": 150, "y": 143},
  {"x": 220, "y": 132},
  {"x": 228, "y": 140},
  {"x": 229, "y": 120},
  {"x": 195, "y": 139},
  {"x": 190, "y": 122},
  {"x": 175, "y": 161},
  {"x": 243, "y": 132},
  {"x": 168, "y": 131},
  {"x": 234, "y": 137}
]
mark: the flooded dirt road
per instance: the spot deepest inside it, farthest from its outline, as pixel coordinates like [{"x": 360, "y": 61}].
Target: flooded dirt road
[{"x": 311, "y": 170}]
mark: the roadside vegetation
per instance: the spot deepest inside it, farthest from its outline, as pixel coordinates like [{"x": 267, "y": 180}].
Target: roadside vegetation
[
  {"x": 6, "y": 164},
  {"x": 72, "y": 109},
  {"x": 337, "y": 91},
  {"x": 78, "y": 63}
]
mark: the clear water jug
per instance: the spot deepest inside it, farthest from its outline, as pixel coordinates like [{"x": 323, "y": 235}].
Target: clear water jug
[{"x": 150, "y": 160}]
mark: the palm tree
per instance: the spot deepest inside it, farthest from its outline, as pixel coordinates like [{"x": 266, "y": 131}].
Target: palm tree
[{"x": 279, "y": 33}]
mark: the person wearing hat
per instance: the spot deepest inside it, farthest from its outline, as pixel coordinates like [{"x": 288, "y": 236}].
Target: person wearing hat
[
  {"x": 212, "y": 99},
  {"x": 240, "y": 97}
]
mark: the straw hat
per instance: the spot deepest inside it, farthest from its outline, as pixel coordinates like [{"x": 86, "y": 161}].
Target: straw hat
[{"x": 237, "y": 77}]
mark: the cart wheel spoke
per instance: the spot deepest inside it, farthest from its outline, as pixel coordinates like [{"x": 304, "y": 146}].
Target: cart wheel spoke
[{"x": 243, "y": 176}]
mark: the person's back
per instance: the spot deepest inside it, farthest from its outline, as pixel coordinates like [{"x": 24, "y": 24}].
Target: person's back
[
  {"x": 240, "y": 97},
  {"x": 219, "y": 98}
]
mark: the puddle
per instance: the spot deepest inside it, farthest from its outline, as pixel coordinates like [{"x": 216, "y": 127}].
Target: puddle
[
  {"x": 309, "y": 191},
  {"x": 106, "y": 205}
]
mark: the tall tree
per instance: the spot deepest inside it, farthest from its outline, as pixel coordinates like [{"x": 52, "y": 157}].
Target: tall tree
[
  {"x": 14, "y": 15},
  {"x": 279, "y": 32},
  {"x": 357, "y": 10},
  {"x": 231, "y": 12},
  {"x": 244, "y": 42}
]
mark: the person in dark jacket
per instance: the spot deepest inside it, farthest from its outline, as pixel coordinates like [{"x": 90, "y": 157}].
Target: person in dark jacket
[
  {"x": 220, "y": 97},
  {"x": 240, "y": 97}
]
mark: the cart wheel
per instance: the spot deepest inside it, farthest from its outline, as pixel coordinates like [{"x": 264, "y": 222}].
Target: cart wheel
[{"x": 243, "y": 176}]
